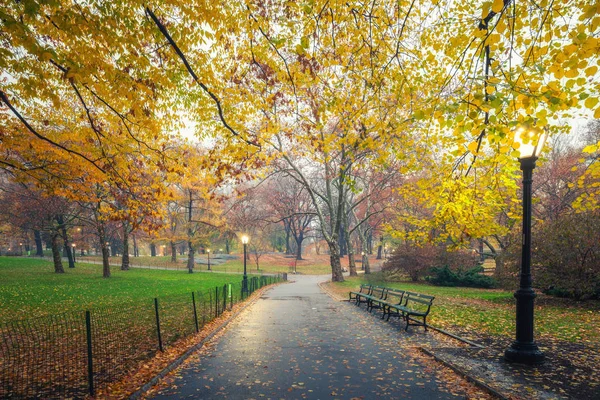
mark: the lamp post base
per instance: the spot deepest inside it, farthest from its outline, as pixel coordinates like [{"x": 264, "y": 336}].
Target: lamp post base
[{"x": 524, "y": 353}]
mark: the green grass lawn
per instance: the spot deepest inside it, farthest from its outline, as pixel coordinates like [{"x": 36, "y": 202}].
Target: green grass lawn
[
  {"x": 30, "y": 288},
  {"x": 158, "y": 261},
  {"x": 493, "y": 311}
]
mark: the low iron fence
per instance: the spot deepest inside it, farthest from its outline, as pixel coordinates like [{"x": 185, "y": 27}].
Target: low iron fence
[{"x": 73, "y": 354}]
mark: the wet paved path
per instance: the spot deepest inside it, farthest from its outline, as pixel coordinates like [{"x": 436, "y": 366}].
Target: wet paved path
[{"x": 296, "y": 342}]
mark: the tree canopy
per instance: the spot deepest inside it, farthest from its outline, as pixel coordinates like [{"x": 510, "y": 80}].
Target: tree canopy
[{"x": 420, "y": 98}]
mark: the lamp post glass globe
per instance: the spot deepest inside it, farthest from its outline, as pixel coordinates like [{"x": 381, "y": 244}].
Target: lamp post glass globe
[
  {"x": 530, "y": 142},
  {"x": 524, "y": 350}
]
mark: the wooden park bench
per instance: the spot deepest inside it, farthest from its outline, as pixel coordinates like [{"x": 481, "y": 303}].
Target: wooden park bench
[
  {"x": 359, "y": 297},
  {"x": 378, "y": 294},
  {"x": 412, "y": 305},
  {"x": 394, "y": 297}
]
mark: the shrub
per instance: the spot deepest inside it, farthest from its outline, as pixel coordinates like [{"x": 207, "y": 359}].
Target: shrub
[
  {"x": 412, "y": 260},
  {"x": 566, "y": 256},
  {"x": 444, "y": 276},
  {"x": 415, "y": 261}
]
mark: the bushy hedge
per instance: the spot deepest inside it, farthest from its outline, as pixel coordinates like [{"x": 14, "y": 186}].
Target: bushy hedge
[
  {"x": 444, "y": 276},
  {"x": 415, "y": 261},
  {"x": 566, "y": 256}
]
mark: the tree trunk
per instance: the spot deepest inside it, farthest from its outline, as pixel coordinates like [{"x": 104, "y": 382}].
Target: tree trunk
[
  {"x": 125, "y": 258},
  {"x": 136, "y": 251},
  {"x": 334, "y": 257},
  {"x": 286, "y": 227},
  {"x": 342, "y": 242},
  {"x": 190, "y": 234},
  {"x": 105, "y": 262},
  {"x": 67, "y": 246},
  {"x": 227, "y": 245},
  {"x": 379, "y": 250},
  {"x": 39, "y": 249},
  {"x": 366, "y": 264},
  {"x": 351, "y": 261},
  {"x": 299, "y": 241},
  {"x": 499, "y": 270},
  {"x": 56, "y": 256},
  {"x": 105, "y": 251},
  {"x": 173, "y": 251},
  {"x": 152, "y": 250},
  {"x": 190, "y": 262}
]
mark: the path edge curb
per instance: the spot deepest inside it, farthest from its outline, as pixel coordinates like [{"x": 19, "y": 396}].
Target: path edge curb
[
  {"x": 464, "y": 374},
  {"x": 177, "y": 362},
  {"x": 329, "y": 293}
]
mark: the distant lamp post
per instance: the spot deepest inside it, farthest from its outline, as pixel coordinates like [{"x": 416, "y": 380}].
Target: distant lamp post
[
  {"x": 245, "y": 240},
  {"x": 73, "y": 246},
  {"x": 208, "y": 254},
  {"x": 362, "y": 268},
  {"x": 524, "y": 350}
]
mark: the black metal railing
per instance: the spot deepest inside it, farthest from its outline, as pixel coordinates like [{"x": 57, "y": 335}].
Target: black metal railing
[{"x": 73, "y": 354}]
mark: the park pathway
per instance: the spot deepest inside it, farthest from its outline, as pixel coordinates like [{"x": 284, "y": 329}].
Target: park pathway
[{"x": 296, "y": 342}]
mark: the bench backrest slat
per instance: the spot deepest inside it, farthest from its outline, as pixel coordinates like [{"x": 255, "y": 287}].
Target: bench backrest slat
[
  {"x": 420, "y": 295},
  {"x": 396, "y": 292},
  {"x": 395, "y": 296},
  {"x": 364, "y": 288},
  {"x": 379, "y": 291},
  {"x": 418, "y": 300}
]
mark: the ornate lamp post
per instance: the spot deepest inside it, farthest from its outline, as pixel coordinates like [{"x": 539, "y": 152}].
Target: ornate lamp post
[
  {"x": 362, "y": 267},
  {"x": 245, "y": 240},
  {"x": 524, "y": 350},
  {"x": 208, "y": 255},
  {"x": 74, "y": 260}
]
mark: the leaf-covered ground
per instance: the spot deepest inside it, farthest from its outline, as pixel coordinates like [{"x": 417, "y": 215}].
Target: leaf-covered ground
[
  {"x": 567, "y": 331},
  {"x": 278, "y": 262},
  {"x": 30, "y": 288},
  {"x": 312, "y": 264}
]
